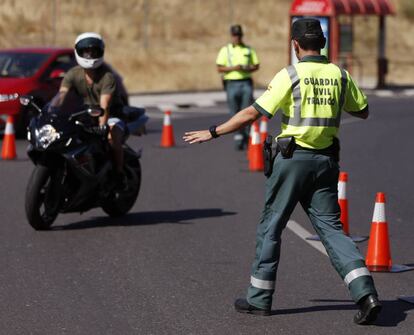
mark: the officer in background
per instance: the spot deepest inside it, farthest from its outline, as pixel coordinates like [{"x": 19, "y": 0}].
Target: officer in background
[
  {"x": 236, "y": 61},
  {"x": 311, "y": 95}
]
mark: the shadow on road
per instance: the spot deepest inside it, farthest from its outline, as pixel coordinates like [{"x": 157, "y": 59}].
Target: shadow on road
[
  {"x": 147, "y": 218},
  {"x": 393, "y": 311}
]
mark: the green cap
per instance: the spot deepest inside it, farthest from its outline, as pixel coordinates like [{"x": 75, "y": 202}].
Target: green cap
[{"x": 308, "y": 28}]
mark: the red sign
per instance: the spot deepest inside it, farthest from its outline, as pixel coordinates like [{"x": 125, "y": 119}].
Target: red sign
[
  {"x": 311, "y": 7},
  {"x": 340, "y": 7}
]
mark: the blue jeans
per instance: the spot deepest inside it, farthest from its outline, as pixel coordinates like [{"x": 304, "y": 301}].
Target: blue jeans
[{"x": 239, "y": 96}]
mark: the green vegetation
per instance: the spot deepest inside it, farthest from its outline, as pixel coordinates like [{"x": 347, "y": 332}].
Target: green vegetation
[{"x": 407, "y": 8}]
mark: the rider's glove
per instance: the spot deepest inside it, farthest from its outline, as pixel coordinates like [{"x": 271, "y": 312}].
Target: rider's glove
[{"x": 101, "y": 130}]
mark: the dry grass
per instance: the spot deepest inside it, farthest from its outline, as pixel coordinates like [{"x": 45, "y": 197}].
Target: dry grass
[{"x": 163, "y": 45}]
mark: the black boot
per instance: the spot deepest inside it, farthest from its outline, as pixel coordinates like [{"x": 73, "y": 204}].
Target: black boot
[
  {"x": 369, "y": 309},
  {"x": 242, "y": 306}
]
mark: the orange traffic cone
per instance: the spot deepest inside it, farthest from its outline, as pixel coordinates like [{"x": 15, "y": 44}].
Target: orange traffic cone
[
  {"x": 379, "y": 254},
  {"x": 343, "y": 204},
  {"x": 256, "y": 162},
  {"x": 263, "y": 129},
  {"x": 167, "y": 137},
  {"x": 8, "y": 150},
  {"x": 253, "y": 128},
  {"x": 343, "y": 201}
]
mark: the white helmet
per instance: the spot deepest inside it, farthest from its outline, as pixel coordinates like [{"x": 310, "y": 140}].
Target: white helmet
[{"x": 89, "y": 50}]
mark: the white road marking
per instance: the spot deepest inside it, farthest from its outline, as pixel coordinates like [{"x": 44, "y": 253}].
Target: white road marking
[
  {"x": 303, "y": 234},
  {"x": 384, "y": 93},
  {"x": 408, "y": 92}
]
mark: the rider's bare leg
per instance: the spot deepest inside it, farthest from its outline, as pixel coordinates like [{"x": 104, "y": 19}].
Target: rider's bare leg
[{"x": 115, "y": 137}]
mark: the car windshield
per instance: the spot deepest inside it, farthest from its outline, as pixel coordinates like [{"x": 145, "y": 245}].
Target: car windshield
[{"x": 20, "y": 65}]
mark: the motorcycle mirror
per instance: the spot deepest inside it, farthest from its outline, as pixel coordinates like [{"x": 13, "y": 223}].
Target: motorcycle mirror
[
  {"x": 25, "y": 100},
  {"x": 95, "y": 111}
]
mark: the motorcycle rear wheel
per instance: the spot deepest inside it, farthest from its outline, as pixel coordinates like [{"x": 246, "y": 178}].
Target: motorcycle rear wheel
[
  {"x": 38, "y": 213},
  {"x": 120, "y": 203}
]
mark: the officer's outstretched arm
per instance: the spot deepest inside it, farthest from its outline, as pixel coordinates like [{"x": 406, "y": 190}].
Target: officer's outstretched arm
[
  {"x": 238, "y": 121},
  {"x": 362, "y": 114}
]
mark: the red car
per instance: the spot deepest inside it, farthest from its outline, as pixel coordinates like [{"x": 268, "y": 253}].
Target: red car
[{"x": 34, "y": 71}]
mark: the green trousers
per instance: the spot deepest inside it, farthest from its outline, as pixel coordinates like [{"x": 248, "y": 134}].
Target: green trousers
[
  {"x": 311, "y": 179},
  {"x": 239, "y": 96}
]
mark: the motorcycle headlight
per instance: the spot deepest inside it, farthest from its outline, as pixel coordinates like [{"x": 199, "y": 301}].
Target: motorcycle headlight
[{"x": 47, "y": 135}]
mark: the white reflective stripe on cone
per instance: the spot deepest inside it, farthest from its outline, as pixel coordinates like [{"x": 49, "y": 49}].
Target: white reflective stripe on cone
[
  {"x": 379, "y": 212},
  {"x": 356, "y": 273},
  {"x": 167, "y": 120},
  {"x": 262, "y": 284},
  {"x": 263, "y": 126},
  {"x": 251, "y": 131},
  {"x": 9, "y": 129},
  {"x": 341, "y": 190},
  {"x": 256, "y": 138}
]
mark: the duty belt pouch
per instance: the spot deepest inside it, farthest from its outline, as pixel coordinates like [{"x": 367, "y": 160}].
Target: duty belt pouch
[
  {"x": 336, "y": 148},
  {"x": 286, "y": 146},
  {"x": 268, "y": 156}
]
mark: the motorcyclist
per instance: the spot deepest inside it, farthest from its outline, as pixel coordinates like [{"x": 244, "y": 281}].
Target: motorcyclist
[{"x": 95, "y": 82}]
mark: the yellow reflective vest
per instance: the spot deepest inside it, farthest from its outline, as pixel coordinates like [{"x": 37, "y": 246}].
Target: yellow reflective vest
[
  {"x": 311, "y": 95},
  {"x": 232, "y": 55}
]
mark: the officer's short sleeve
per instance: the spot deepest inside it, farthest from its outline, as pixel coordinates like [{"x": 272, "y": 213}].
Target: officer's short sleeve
[
  {"x": 222, "y": 57},
  {"x": 254, "y": 58},
  {"x": 68, "y": 79},
  {"x": 108, "y": 84},
  {"x": 276, "y": 95},
  {"x": 355, "y": 99}
]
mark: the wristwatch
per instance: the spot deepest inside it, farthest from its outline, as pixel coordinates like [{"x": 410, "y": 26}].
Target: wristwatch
[{"x": 213, "y": 132}]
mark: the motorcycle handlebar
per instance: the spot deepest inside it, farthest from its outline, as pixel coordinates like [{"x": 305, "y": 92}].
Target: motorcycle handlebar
[
  {"x": 101, "y": 131},
  {"x": 93, "y": 111}
]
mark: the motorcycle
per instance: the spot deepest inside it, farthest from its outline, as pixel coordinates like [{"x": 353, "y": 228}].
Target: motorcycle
[{"x": 73, "y": 169}]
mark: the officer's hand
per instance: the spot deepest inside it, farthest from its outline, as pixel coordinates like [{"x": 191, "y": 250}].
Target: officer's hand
[
  {"x": 237, "y": 68},
  {"x": 197, "y": 136}
]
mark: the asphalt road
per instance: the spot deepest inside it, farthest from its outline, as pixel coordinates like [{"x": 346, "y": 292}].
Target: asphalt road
[{"x": 176, "y": 263}]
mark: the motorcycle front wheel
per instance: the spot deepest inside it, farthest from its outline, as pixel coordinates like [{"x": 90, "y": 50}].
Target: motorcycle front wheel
[
  {"x": 41, "y": 210},
  {"x": 119, "y": 203}
]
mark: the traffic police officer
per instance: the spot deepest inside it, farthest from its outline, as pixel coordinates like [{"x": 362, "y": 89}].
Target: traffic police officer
[
  {"x": 236, "y": 61},
  {"x": 311, "y": 95}
]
